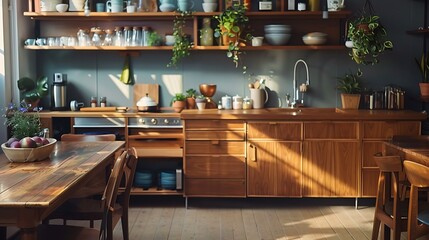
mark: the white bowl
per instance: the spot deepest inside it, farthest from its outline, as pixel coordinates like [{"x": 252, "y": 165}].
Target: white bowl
[
  {"x": 315, "y": 38},
  {"x": 210, "y": 1},
  {"x": 277, "y": 38},
  {"x": 170, "y": 40},
  {"x": 277, "y": 28},
  {"x": 209, "y": 7},
  {"x": 29, "y": 154},
  {"x": 62, "y": 7},
  {"x": 166, "y": 7}
]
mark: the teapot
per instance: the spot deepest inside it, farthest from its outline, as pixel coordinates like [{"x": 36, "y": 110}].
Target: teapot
[{"x": 147, "y": 104}]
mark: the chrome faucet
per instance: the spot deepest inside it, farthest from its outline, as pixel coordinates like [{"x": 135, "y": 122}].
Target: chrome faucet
[{"x": 302, "y": 89}]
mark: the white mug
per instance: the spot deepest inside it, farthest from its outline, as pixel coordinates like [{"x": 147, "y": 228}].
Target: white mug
[
  {"x": 49, "y": 5},
  {"x": 115, "y": 6},
  {"x": 131, "y": 9}
]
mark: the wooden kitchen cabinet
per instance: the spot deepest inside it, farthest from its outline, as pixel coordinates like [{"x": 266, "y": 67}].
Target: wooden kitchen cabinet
[
  {"x": 373, "y": 135},
  {"x": 274, "y": 159},
  {"x": 331, "y": 159},
  {"x": 215, "y": 163}
]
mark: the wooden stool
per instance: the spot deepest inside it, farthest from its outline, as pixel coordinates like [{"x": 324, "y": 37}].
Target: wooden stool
[
  {"x": 418, "y": 219},
  {"x": 391, "y": 212}
]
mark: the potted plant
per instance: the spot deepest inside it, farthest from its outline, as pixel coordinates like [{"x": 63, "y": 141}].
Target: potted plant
[
  {"x": 423, "y": 65},
  {"x": 368, "y": 36},
  {"x": 349, "y": 85},
  {"x": 32, "y": 91},
  {"x": 190, "y": 98},
  {"x": 201, "y": 101},
  {"x": 231, "y": 25},
  {"x": 182, "y": 43},
  {"x": 178, "y": 102},
  {"x": 154, "y": 39}
]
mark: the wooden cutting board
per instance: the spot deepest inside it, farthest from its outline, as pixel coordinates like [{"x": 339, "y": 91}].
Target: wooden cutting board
[
  {"x": 98, "y": 109},
  {"x": 140, "y": 90}
]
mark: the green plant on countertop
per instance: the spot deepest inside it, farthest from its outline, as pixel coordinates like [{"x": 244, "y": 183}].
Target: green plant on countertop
[
  {"x": 22, "y": 124},
  {"x": 183, "y": 42},
  {"x": 32, "y": 91},
  {"x": 423, "y": 65},
  {"x": 368, "y": 35},
  {"x": 350, "y": 83},
  {"x": 178, "y": 97},
  {"x": 201, "y": 98},
  {"x": 191, "y": 93},
  {"x": 154, "y": 39},
  {"x": 232, "y": 23}
]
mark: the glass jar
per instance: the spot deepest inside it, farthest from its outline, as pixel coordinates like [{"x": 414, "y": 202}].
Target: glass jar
[
  {"x": 82, "y": 38},
  {"x": 128, "y": 35},
  {"x": 247, "y": 103},
  {"x": 97, "y": 36},
  {"x": 136, "y": 39},
  {"x": 103, "y": 102},
  {"x": 206, "y": 33},
  {"x": 118, "y": 39},
  {"x": 108, "y": 39},
  {"x": 93, "y": 102},
  {"x": 145, "y": 36}
]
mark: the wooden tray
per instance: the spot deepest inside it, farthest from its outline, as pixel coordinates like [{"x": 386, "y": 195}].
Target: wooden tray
[{"x": 98, "y": 109}]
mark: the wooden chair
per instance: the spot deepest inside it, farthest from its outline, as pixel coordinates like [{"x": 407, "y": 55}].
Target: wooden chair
[
  {"x": 87, "y": 138},
  {"x": 390, "y": 212},
  {"x": 108, "y": 201},
  {"x": 90, "y": 209},
  {"x": 418, "y": 219}
]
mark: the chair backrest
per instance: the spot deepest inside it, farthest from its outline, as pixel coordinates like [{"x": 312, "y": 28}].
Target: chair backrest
[
  {"x": 388, "y": 163},
  {"x": 111, "y": 190},
  {"x": 87, "y": 138},
  {"x": 418, "y": 174},
  {"x": 129, "y": 171}
]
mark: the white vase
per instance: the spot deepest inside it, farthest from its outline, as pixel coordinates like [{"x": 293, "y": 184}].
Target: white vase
[
  {"x": 76, "y": 5},
  {"x": 49, "y": 5},
  {"x": 201, "y": 105}
]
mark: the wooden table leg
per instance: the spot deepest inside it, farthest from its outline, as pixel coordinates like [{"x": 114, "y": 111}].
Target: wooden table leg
[{"x": 3, "y": 233}]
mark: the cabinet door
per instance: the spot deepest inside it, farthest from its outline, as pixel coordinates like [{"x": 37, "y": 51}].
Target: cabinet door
[
  {"x": 386, "y": 129},
  {"x": 330, "y": 168},
  {"x": 261, "y": 169},
  {"x": 289, "y": 169},
  {"x": 370, "y": 170},
  {"x": 274, "y": 130}
]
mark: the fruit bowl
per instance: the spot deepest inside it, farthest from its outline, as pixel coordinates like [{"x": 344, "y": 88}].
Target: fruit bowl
[{"x": 29, "y": 154}]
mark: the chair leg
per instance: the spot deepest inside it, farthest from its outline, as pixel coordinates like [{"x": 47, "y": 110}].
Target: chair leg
[
  {"x": 375, "y": 228},
  {"x": 125, "y": 229}
]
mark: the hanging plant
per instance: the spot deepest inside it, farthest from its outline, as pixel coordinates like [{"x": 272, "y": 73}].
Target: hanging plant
[
  {"x": 183, "y": 42},
  {"x": 368, "y": 36}
]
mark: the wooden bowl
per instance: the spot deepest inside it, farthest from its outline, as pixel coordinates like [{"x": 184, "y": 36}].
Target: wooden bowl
[{"x": 29, "y": 154}]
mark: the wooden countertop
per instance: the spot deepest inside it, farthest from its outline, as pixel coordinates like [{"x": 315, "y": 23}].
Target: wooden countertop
[{"x": 260, "y": 114}]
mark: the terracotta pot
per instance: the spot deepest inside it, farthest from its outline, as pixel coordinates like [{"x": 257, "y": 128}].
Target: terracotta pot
[
  {"x": 364, "y": 27},
  {"x": 350, "y": 101},
  {"x": 424, "y": 90},
  {"x": 178, "y": 106},
  {"x": 190, "y": 103},
  {"x": 227, "y": 39}
]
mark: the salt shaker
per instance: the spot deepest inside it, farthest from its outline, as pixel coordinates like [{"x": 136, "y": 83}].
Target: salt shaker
[{"x": 226, "y": 102}]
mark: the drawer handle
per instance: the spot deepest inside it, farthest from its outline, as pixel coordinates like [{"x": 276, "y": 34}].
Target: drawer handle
[
  {"x": 215, "y": 142},
  {"x": 252, "y": 153}
]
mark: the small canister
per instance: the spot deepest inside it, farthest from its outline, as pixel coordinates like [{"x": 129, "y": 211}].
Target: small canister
[
  {"x": 237, "y": 102},
  {"x": 247, "y": 103},
  {"x": 103, "y": 102},
  {"x": 226, "y": 102}
]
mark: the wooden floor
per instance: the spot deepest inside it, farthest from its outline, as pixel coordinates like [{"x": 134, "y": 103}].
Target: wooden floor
[{"x": 255, "y": 218}]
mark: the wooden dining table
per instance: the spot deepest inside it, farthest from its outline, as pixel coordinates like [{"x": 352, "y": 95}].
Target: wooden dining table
[
  {"x": 413, "y": 148},
  {"x": 31, "y": 191}
]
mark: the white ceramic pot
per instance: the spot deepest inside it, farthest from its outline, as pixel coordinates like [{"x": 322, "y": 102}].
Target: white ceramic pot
[
  {"x": 49, "y": 5},
  {"x": 76, "y": 5}
]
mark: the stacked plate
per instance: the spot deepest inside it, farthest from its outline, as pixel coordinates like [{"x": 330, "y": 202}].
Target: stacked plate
[
  {"x": 167, "y": 180},
  {"x": 277, "y": 34},
  {"x": 143, "y": 179}
]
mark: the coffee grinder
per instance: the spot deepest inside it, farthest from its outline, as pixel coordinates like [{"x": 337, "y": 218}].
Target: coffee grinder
[{"x": 59, "y": 92}]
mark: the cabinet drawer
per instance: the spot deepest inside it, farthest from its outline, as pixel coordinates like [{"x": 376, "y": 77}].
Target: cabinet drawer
[
  {"x": 215, "y": 187},
  {"x": 214, "y": 135},
  {"x": 214, "y": 124},
  {"x": 331, "y": 130},
  {"x": 386, "y": 129},
  {"x": 215, "y": 147},
  {"x": 274, "y": 130},
  {"x": 215, "y": 167}
]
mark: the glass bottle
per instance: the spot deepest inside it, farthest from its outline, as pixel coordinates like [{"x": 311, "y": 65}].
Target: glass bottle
[
  {"x": 108, "y": 39},
  {"x": 118, "y": 39},
  {"x": 103, "y": 102},
  {"x": 206, "y": 33},
  {"x": 93, "y": 101},
  {"x": 145, "y": 36},
  {"x": 97, "y": 37},
  {"x": 128, "y": 35},
  {"x": 82, "y": 38},
  {"x": 136, "y": 39}
]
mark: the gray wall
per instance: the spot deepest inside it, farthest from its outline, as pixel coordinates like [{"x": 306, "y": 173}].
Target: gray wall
[{"x": 95, "y": 73}]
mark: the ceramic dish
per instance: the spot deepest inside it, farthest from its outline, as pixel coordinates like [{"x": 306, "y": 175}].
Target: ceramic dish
[
  {"x": 315, "y": 38},
  {"x": 29, "y": 154}
]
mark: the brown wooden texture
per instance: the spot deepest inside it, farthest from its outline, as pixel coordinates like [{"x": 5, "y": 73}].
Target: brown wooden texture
[
  {"x": 330, "y": 168},
  {"x": 275, "y": 169},
  {"x": 215, "y": 135},
  {"x": 387, "y": 129},
  {"x": 214, "y": 125},
  {"x": 31, "y": 191},
  {"x": 368, "y": 182},
  {"x": 215, "y": 147},
  {"x": 331, "y": 130},
  {"x": 215, "y": 187},
  {"x": 369, "y": 172},
  {"x": 215, "y": 166},
  {"x": 140, "y": 90},
  {"x": 274, "y": 130}
]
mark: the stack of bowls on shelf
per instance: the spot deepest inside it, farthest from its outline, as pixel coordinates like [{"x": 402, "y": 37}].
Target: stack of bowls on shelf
[
  {"x": 209, "y": 5},
  {"x": 167, "y": 6},
  {"x": 277, "y": 34},
  {"x": 143, "y": 179},
  {"x": 167, "y": 179}
]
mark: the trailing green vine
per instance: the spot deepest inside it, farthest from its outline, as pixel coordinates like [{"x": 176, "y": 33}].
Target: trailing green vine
[{"x": 183, "y": 42}]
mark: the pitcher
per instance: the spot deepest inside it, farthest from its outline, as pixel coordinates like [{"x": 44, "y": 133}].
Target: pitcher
[
  {"x": 115, "y": 5},
  {"x": 259, "y": 97}
]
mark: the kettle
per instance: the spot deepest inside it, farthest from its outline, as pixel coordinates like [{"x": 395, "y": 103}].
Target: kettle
[{"x": 59, "y": 92}]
